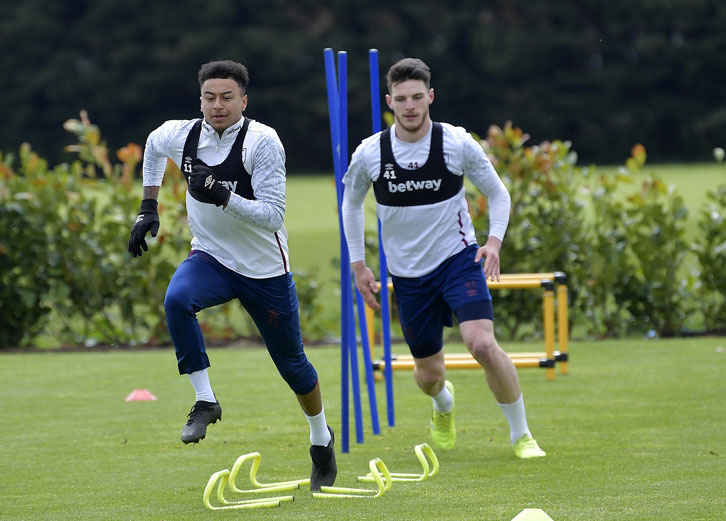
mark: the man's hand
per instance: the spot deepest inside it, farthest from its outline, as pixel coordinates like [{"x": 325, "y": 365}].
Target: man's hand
[
  {"x": 366, "y": 284},
  {"x": 491, "y": 251},
  {"x": 206, "y": 188},
  {"x": 148, "y": 220}
]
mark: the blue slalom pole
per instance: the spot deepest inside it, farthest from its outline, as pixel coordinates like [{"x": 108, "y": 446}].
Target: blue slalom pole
[
  {"x": 345, "y": 259},
  {"x": 375, "y": 90},
  {"x": 360, "y": 304},
  {"x": 385, "y": 302},
  {"x": 367, "y": 362},
  {"x": 334, "y": 116}
]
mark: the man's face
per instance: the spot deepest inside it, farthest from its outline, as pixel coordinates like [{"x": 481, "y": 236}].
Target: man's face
[
  {"x": 409, "y": 100},
  {"x": 222, "y": 103}
]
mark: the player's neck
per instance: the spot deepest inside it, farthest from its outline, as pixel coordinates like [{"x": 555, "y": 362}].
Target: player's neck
[{"x": 411, "y": 136}]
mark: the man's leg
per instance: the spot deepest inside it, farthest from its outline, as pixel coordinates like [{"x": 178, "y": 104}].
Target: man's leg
[
  {"x": 500, "y": 372},
  {"x": 198, "y": 283},
  {"x": 272, "y": 304},
  {"x": 312, "y": 405},
  {"x": 430, "y": 375},
  {"x": 503, "y": 381},
  {"x": 423, "y": 315},
  {"x": 322, "y": 440}
]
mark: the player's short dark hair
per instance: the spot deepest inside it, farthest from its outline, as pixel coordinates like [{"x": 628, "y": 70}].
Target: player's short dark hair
[
  {"x": 226, "y": 70},
  {"x": 408, "y": 69}
]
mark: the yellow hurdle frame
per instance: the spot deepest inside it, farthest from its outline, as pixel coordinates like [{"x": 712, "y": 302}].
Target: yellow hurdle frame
[{"x": 546, "y": 360}]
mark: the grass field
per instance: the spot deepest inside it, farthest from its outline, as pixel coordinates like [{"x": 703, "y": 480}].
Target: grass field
[{"x": 635, "y": 432}]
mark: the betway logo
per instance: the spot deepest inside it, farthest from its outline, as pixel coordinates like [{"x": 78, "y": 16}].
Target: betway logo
[
  {"x": 410, "y": 186},
  {"x": 230, "y": 185}
]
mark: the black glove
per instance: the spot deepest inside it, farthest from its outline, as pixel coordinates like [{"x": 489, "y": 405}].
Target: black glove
[
  {"x": 204, "y": 187},
  {"x": 148, "y": 220}
]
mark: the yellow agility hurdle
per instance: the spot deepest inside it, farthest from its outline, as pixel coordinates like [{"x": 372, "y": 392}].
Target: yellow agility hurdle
[
  {"x": 381, "y": 476},
  {"x": 255, "y": 458},
  {"x": 222, "y": 478},
  {"x": 424, "y": 454},
  {"x": 546, "y": 360}
]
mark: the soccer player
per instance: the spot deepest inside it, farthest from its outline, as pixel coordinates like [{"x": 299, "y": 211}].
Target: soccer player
[
  {"x": 417, "y": 170},
  {"x": 235, "y": 169}
]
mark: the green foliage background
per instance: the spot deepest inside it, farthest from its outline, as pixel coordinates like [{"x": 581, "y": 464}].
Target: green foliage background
[
  {"x": 65, "y": 268},
  {"x": 603, "y": 75},
  {"x": 67, "y": 278},
  {"x": 624, "y": 254}
]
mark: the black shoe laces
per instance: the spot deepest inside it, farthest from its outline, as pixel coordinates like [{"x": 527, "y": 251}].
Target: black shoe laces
[{"x": 197, "y": 410}]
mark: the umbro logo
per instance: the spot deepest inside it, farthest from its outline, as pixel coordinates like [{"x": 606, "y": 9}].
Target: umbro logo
[
  {"x": 187, "y": 165},
  {"x": 390, "y": 173},
  {"x": 209, "y": 182}
]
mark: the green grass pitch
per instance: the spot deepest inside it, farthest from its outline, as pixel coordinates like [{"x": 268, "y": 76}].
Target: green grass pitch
[{"x": 635, "y": 432}]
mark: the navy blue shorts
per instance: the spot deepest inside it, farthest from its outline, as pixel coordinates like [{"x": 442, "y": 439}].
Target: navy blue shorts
[
  {"x": 425, "y": 304},
  {"x": 201, "y": 282}
]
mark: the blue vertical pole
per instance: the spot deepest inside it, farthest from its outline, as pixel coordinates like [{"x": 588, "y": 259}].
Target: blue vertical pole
[
  {"x": 367, "y": 362},
  {"x": 375, "y": 91},
  {"x": 345, "y": 259},
  {"x": 333, "y": 112},
  {"x": 366, "y": 348},
  {"x": 385, "y": 302}
]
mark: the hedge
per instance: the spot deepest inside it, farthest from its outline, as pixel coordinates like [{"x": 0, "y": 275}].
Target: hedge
[{"x": 67, "y": 279}]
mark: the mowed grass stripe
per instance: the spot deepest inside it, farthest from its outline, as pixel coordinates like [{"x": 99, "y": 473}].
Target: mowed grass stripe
[{"x": 635, "y": 432}]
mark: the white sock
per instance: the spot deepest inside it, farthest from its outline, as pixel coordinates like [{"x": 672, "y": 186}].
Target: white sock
[
  {"x": 202, "y": 388},
  {"x": 319, "y": 433},
  {"x": 444, "y": 401},
  {"x": 517, "y": 418}
]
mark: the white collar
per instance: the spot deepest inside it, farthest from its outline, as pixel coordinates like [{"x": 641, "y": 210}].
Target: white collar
[
  {"x": 208, "y": 129},
  {"x": 401, "y": 142}
]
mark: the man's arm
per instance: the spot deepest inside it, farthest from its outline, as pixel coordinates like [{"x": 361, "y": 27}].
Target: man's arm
[
  {"x": 482, "y": 174},
  {"x": 490, "y": 251},
  {"x": 354, "y": 226},
  {"x": 154, "y": 165},
  {"x": 150, "y": 192},
  {"x": 357, "y": 183},
  {"x": 156, "y": 153},
  {"x": 268, "y": 183}
]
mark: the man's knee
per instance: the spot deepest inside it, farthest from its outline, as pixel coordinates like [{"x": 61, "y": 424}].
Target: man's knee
[
  {"x": 176, "y": 302},
  {"x": 429, "y": 378},
  {"x": 430, "y": 372},
  {"x": 299, "y": 374},
  {"x": 483, "y": 347}
]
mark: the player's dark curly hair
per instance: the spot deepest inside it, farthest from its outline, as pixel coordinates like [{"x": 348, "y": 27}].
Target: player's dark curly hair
[
  {"x": 408, "y": 69},
  {"x": 225, "y": 69}
]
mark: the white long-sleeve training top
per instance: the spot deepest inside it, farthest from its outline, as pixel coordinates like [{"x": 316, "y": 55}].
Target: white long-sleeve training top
[
  {"x": 247, "y": 236},
  {"x": 417, "y": 239}
]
